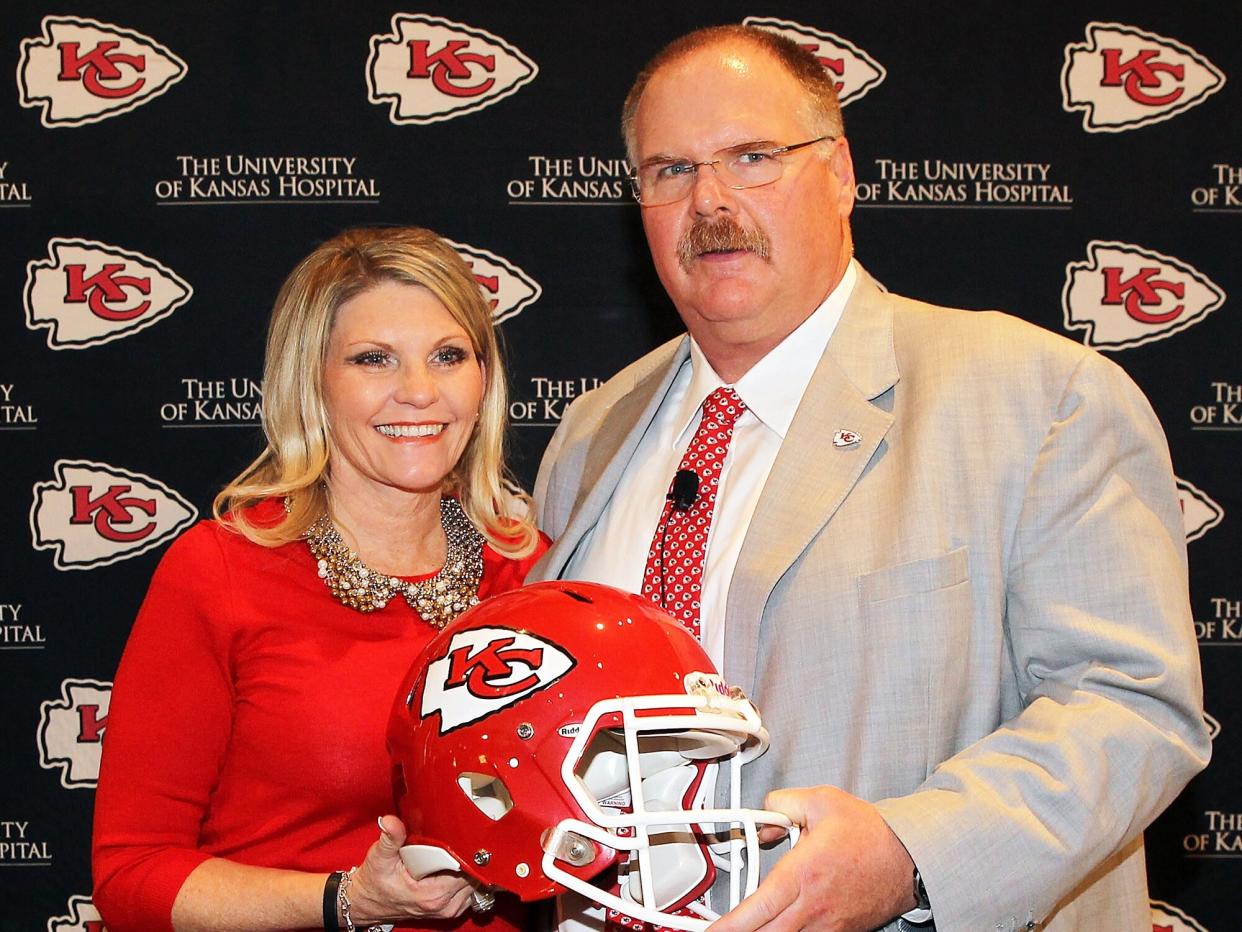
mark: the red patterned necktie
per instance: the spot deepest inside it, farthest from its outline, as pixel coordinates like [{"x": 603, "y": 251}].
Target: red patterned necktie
[{"x": 673, "y": 577}]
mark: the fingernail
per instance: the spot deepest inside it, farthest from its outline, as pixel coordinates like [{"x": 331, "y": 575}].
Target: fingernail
[{"x": 379, "y": 820}]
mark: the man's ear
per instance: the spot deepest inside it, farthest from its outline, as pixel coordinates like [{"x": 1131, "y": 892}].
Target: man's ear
[{"x": 841, "y": 162}]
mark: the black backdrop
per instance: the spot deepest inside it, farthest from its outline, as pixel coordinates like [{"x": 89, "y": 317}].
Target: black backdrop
[{"x": 1075, "y": 164}]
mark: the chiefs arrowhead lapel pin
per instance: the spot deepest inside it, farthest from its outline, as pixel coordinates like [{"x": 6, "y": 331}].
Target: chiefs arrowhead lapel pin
[{"x": 846, "y": 438}]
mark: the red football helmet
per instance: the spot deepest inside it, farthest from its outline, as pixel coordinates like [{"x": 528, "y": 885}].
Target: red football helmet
[{"x": 565, "y": 728}]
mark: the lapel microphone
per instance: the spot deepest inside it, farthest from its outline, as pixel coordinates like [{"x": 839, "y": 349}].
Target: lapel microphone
[
  {"x": 685, "y": 489},
  {"x": 683, "y": 494}
]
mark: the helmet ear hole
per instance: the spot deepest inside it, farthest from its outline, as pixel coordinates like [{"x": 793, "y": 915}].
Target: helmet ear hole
[{"x": 488, "y": 793}]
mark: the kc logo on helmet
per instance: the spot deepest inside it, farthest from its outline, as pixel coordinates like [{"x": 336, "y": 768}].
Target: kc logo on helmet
[
  {"x": 87, "y": 293},
  {"x": 1199, "y": 512},
  {"x": 82, "y": 71},
  {"x": 1125, "y": 295},
  {"x": 506, "y": 288},
  {"x": 1124, "y": 78},
  {"x": 93, "y": 514},
  {"x": 430, "y": 69},
  {"x": 1168, "y": 918},
  {"x": 855, "y": 71},
  {"x": 82, "y": 917},
  {"x": 486, "y": 670},
  {"x": 71, "y": 731}
]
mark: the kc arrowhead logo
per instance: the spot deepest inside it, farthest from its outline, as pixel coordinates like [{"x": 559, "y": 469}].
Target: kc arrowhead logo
[
  {"x": 1199, "y": 512},
  {"x": 71, "y": 731},
  {"x": 93, "y": 514},
  {"x": 506, "y": 288},
  {"x": 1125, "y": 295},
  {"x": 87, "y": 293},
  {"x": 855, "y": 71},
  {"x": 485, "y": 670},
  {"x": 430, "y": 69},
  {"x": 1124, "y": 78},
  {"x": 83, "y": 71},
  {"x": 1213, "y": 726},
  {"x": 82, "y": 917},
  {"x": 1166, "y": 917}
]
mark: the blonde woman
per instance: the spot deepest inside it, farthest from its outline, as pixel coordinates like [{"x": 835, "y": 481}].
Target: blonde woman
[{"x": 244, "y": 767}]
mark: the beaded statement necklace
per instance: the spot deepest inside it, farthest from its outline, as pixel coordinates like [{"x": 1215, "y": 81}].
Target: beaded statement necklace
[{"x": 438, "y": 600}]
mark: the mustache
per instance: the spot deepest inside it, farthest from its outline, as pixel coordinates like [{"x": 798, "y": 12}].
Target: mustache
[{"x": 723, "y": 235}]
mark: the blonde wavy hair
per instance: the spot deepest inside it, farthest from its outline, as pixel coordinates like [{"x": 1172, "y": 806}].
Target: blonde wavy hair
[{"x": 294, "y": 464}]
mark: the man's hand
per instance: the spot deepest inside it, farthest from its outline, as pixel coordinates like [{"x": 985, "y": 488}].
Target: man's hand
[{"x": 848, "y": 873}]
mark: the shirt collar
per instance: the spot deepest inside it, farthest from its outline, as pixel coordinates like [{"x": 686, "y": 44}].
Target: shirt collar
[{"x": 773, "y": 387}]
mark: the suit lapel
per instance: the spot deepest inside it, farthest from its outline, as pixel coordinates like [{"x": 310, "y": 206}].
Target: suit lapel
[
  {"x": 611, "y": 448},
  {"x": 812, "y": 475}
]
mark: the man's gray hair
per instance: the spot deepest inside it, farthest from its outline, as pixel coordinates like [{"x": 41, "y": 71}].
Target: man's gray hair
[{"x": 823, "y": 109}]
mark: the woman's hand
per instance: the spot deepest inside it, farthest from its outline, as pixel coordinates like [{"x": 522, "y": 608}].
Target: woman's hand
[{"x": 383, "y": 890}]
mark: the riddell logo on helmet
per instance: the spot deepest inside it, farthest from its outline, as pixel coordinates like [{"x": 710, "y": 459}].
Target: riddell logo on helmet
[
  {"x": 1123, "y": 78},
  {"x": 506, "y": 288},
  {"x": 71, "y": 731},
  {"x": 1125, "y": 295},
  {"x": 430, "y": 69},
  {"x": 711, "y": 686},
  {"x": 82, "y": 71},
  {"x": 87, "y": 293},
  {"x": 854, "y": 70},
  {"x": 485, "y": 670},
  {"x": 93, "y": 514},
  {"x": 1168, "y": 918}
]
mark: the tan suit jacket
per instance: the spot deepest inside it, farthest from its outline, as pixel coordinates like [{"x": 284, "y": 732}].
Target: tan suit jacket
[{"x": 975, "y": 616}]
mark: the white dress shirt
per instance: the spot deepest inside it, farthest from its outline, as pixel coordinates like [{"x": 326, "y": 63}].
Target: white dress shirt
[{"x": 614, "y": 552}]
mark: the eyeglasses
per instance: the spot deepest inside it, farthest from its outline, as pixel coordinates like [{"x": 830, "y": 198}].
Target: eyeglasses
[{"x": 671, "y": 180}]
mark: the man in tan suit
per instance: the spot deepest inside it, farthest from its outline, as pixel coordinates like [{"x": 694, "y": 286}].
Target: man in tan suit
[{"x": 946, "y": 562}]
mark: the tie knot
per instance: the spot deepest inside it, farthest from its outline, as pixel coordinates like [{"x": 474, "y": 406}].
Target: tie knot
[{"x": 723, "y": 406}]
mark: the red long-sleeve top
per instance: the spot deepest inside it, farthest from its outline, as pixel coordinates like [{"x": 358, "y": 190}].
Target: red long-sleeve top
[{"x": 247, "y": 722}]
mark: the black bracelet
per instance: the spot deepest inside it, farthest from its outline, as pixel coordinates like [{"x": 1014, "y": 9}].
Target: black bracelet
[{"x": 331, "y": 922}]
